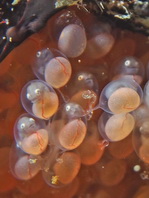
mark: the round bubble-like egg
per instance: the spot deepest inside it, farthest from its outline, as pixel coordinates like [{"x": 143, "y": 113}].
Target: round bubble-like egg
[
  {"x": 100, "y": 39},
  {"x": 62, "y": 169},
  {"x": 39, "y": 99},
  {"x": 100, "y": 45},
  {"x": 141, "y": 139},
  {"x": 121, "y": 96},
  {"x": 68, "y": 127},
  {"x": 84, "y": 90},
  {"x": 92, "y": 141},
  {"x": 65, "y": 18},
  {"x": 130, "y": 66},
  {"x": 23, "y": 166},
  {"x": 52, "y": 66},
  {"x": 146, "y": 94},
  {"x": 30, "y": 134},
  {"x": 115, "y": 127},
  {"x": 72, "y": 40}
]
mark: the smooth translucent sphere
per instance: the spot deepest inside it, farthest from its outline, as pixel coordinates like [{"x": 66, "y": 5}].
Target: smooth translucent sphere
[
  {"x": 83, "y": 89},
  {"x": 141, "y": 139},
  {"x": 30, "y": 134},
  {"x": 67, "y": 167},
  {"x": 23, "y": 166},
  {"x": 146, "y": 94},
  {"x": 72, "y": 41},
  {"x": 68, "y": 127},
  {"x": 130, "y": 66},
  {"x": 24, "y": 169},
  {"x": 39, "y": 99},
  {"x": 52, "y": 66},
  {"x": 58, "y": 72},
  {"x": 100, "y": 45},
  {"x": 121, "y": 96},
  {"x": 60, "y": 168}
]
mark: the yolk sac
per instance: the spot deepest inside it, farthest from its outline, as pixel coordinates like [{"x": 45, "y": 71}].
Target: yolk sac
[
  {"x": 72, "y": 40},
  {"x": 69, "y": 168},
  {"x": 68, "y": 127},
  {"x": 82, "y": 89},
  {"x": 58, "y": 72},
  {"x": 130, "y": 66},
  {"x": 62, "y": 170},
  {"x": 23, "y": 166},
  {"x": 39, "y": 99},
  {"x": 53, "y": 67},
  {"x": 30, "y": 134},
  {"x": 115, "y": 127},
  {"x": 121, "y": 96},
  {"x": 100, "y": 45},
  {"x": 72, "y": 134},
  {"x": 92, "y": 141},
  {"x": 141, "y": 139},
  {"x": 25, "y": 170}
]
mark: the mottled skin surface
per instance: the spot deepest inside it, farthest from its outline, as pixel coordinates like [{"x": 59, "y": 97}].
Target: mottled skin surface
[{"x": 29, "y": 16}]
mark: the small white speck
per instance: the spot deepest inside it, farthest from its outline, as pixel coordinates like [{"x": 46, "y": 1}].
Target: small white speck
[
  {"x": 10, "y": 39},
  {"x": 7, "y": 21},
  {"x": 137, "y": 168}
]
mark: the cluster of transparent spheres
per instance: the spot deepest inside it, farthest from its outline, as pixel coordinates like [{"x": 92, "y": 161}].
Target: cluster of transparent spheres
[{"x": 54, "y": 134}]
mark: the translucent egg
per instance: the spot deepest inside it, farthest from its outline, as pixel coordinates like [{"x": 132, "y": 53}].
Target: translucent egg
[
  {"x": 146, "y": 94},
  {"x": 69, "y": 31},
  {"x": 130, "y": 66},
  {"x": 62, "y": 170},
  {"x": 52, "y": 66},
  {"x": 115, "y": 127},
  {"x": 82, "y": 89},
  {"x": 141, "y": 112},
  {"x": 39, "y": 99},
  {"x": 121, "y": 96},
  {"x": 65, "y": 18},
  {"x": 94, "y": 142},
  {"x": 68, "y": 127},
  {"x": 113, "y": 172},
  {"x": 141, "y": 139},
  {"x": 92, "y": 155},
  {"x": 100, "y": 45},
  {"x": 23, "y": 166},
  {"x": 30, "y": 134},
  {"x": 72, "y": 41}
]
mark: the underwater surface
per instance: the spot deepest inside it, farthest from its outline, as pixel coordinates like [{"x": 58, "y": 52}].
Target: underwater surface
[{"x": 74, "y": 105}]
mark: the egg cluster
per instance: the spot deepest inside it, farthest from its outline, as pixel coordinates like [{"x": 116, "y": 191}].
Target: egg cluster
[{"x": 57, "y": 134}]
